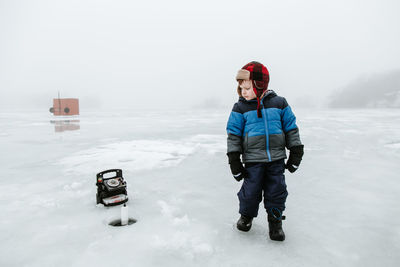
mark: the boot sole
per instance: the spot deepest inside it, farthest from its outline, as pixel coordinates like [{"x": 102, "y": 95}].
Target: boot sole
[
  {"x": 243, "y": 229},
  {"x": 277, "y": 239}
]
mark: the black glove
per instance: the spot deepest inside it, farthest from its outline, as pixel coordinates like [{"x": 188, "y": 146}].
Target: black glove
[
  {"x": 295, "y": 156},
  {"x": 237, "y": 169}
]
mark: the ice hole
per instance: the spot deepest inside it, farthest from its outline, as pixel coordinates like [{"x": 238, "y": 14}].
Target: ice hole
[{"x": 117, "y": 222}]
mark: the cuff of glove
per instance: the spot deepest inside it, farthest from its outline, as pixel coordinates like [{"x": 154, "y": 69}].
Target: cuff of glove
[
  {"x": 233, "y": 157},
  {"x": 297, "y": 150}
]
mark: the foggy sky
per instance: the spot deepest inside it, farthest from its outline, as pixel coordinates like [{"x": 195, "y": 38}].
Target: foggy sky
[{"x": 186, "y": 53}]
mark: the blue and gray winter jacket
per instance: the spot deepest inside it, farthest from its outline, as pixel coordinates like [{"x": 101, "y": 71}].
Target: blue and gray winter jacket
[{"x": 262, "y": 139}]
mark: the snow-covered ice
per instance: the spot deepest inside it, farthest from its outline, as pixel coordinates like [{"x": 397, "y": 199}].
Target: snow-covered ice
[{"x": 342, "y": 209}]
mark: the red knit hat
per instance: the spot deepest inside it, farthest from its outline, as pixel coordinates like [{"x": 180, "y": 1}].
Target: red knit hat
[{"x": 259, "y": 75}]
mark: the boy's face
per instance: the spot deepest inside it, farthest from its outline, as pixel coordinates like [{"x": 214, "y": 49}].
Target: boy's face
[{"x": 247, "y": 89}]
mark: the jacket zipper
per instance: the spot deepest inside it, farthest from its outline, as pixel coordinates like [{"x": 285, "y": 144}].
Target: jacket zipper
[{"x": 266, "y": 128}]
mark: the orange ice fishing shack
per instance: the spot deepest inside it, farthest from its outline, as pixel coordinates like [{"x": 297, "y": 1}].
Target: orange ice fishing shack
[{"x": 65, "y": 106}]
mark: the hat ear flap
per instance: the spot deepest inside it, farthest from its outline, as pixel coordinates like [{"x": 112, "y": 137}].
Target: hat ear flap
[
  {"x": 260, "y": 85},
  {"x": 256, "y": 90}
]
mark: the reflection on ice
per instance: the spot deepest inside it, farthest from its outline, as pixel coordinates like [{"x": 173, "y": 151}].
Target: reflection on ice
[{"x": 65, "y": 125}]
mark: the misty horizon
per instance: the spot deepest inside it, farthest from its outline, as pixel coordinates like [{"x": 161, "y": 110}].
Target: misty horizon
[{"x": 179, "y": 54}]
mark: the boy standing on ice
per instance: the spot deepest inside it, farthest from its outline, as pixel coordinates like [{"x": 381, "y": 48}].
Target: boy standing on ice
[{"x": 259, "y": 128}]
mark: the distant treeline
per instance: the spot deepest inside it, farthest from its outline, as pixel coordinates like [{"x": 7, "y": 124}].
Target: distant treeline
[{"x": 379, "y": 91}]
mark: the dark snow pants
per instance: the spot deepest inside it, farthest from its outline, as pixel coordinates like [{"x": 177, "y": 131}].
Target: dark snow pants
[{"x": 263, "y": 177}]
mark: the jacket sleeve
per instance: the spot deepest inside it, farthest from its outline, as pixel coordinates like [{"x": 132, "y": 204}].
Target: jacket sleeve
[
  {"x": 234, "y": 129},
  {"x": 292, "y": 135}
]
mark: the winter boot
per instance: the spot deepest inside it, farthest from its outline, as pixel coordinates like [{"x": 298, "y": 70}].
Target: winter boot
[
  {"x": 244, "y": 223},
  {"x": 275, "y": 227}
]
